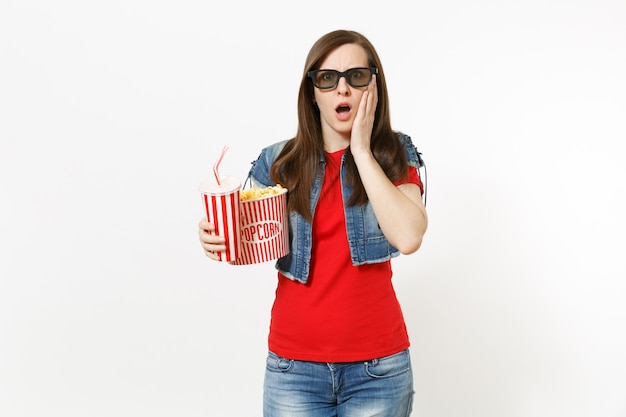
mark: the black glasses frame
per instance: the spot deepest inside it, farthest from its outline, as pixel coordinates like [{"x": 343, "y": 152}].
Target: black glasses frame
[{"x": 311, "y": 74}]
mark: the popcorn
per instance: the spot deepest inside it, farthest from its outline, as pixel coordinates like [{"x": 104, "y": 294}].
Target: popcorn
[
  {"x": 257, "y": 193},
  {"x": 264, "y": 224}
]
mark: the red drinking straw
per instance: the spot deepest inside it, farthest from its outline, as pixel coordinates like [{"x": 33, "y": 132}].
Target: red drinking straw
[{"x": 217, "y": 165}]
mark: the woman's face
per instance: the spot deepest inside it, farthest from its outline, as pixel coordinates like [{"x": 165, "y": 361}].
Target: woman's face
[{"x": 338, "y": 106}]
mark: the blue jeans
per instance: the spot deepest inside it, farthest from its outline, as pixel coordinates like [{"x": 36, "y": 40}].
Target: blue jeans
[{"x": 380, "y": 387}]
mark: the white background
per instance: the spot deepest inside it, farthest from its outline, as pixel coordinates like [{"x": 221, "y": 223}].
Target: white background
[{"x": 111, "y": 113}]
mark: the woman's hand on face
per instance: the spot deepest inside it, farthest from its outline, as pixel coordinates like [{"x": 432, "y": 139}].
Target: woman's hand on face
[
  {"x": 210, "y": 243},
  {"x": 364, "y": 120}
]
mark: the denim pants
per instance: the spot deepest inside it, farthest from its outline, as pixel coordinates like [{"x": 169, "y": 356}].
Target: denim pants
[{"x": 380, "y": 387}]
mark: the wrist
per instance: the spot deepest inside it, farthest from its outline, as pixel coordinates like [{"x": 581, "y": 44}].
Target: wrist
[{"x": 362, "y": 156}]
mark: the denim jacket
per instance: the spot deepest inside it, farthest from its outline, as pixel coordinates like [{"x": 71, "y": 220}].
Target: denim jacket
[{"x": 365, "y": 238}]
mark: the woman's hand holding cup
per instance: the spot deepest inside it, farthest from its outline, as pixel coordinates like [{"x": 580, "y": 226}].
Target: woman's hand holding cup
[{"x": 210, "y": 242}]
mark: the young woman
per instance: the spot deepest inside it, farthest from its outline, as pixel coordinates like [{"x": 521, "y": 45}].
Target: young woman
[{"x": 338, "y": 344}]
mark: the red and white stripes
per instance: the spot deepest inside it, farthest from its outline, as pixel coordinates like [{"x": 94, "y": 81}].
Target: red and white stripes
[
  {"x": 223, "y": 212},
  {"x": 264, "y": 230}
]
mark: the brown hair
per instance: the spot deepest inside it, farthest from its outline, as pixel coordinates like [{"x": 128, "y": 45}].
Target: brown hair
[{"x": 298, "y": 164}]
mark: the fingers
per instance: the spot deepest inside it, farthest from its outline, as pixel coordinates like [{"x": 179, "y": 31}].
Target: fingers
[
  {"x": 364, "y": 120},
  {"x": 211, "y": 244},
  {"x": 363, "y": 105},
  {"x": 212, "y": 255},
  {"x": 212, "y": 248},
  {"x": 372, "y": 97},
  {"x": 367, "y": 106}
]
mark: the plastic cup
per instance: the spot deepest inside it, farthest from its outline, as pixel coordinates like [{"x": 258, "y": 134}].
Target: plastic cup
[{"x": 221, "y": 203}]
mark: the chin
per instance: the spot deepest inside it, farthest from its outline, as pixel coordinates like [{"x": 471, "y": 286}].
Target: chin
[{"x": 344, "y": 128}]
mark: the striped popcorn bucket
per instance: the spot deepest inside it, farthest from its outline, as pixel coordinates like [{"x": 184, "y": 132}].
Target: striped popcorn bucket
[
  {"x": 222, "y": 206},
  {"x": 264, "y": 230}
]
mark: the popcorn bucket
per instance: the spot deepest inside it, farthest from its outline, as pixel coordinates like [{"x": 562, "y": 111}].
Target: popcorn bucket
[{"x": 264, "y": 228}]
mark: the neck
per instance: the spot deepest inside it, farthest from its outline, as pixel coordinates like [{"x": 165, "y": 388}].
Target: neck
[{"x": 336, "y": 143}]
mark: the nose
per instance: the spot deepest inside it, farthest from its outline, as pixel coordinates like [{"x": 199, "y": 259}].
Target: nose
[{"x": 342, "y": 85}]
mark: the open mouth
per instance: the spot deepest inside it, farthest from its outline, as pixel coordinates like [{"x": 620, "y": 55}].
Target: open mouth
[{"x": 342, "y": 108}]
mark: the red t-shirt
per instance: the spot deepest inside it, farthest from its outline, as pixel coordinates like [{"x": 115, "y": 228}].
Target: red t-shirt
[{"x": 344, "y": 313}]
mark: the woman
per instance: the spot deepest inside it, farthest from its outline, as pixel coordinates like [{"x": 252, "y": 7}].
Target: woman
[{"x": 338, "y": 344}]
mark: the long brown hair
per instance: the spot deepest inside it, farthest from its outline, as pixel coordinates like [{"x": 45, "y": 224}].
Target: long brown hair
[{"x": 298, "y": 164}]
